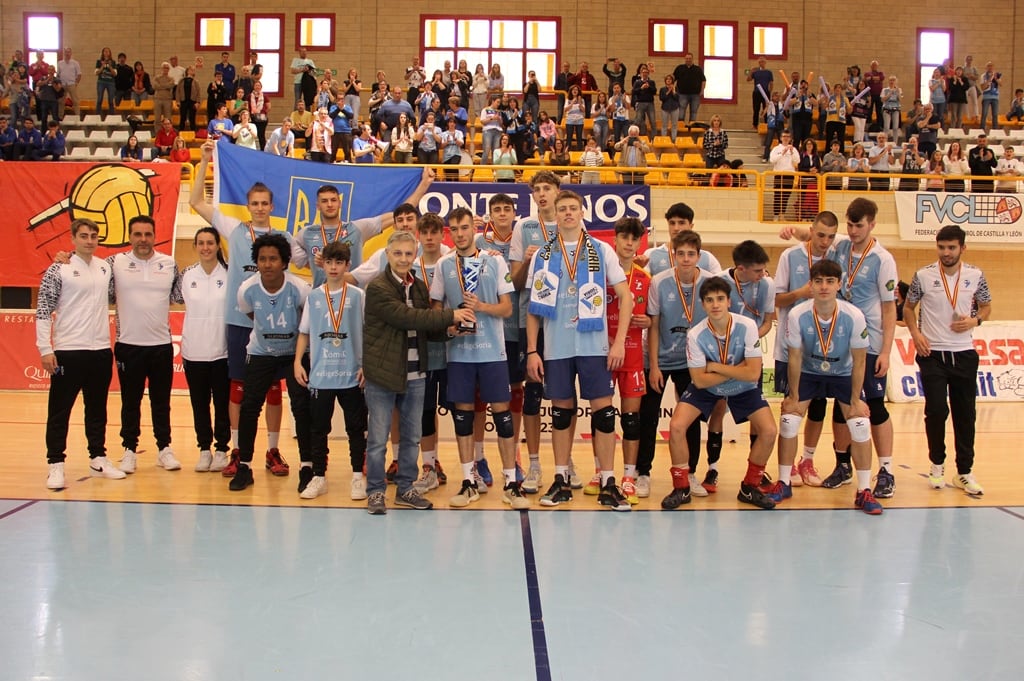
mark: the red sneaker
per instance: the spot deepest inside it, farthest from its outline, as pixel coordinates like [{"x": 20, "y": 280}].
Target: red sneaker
[
  {"x": 232, "y": 467},
  {"x": 442, "y": 477},
  {"x": 276, "y": 463}
]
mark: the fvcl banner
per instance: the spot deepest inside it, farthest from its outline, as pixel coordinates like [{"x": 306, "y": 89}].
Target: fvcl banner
[{"x": 987, "y": 218}]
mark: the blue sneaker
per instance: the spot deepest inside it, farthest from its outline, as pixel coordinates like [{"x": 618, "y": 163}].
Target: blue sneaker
[
  {"x": 520, "y": 475},
  {"x": 485, "y": 472},
  {"x": 778, "y": 491},
  {"x": 866, "y": 502}
]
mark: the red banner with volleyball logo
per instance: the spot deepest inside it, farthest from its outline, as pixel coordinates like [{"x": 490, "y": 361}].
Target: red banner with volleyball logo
[{"x": 41, "y": 200}]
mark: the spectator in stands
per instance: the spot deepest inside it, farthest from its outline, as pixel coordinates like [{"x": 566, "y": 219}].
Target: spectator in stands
[
  {"x": 495, "y": 80},
  {"x": 320, "y": 137},
  {"x": 238, "y": 105},
  {"x": 935, "y": 169},
  {"x": 722, "y": 178},
  {"x": 982, "y": 162},
  {"x": 37, "y": 72},
  {"x": 245, "y": 81},
  {"x": 106, "y": 72},
  {"x": 669, "y": 97},
  {"x": 588, "y": 84},
  {"x": 244, "y": 133},
  {"x": 504, "y": 155},
  {"x": 342, "y": 116},
  {"x": 618, "y": 109},
  {"x": 575, "y": 113},
  {"x": 301, "y": 119},
  {"x": 428, "y": 137},
  {"x": 837, "y": 107},
  {"x": 458, "y": 112},
  {"x": 282, "y": 141},
  {"x": 259, "y": 109},
  {"x": 48, "y": 90},
  {"x": 216, "y": 95},
  {"x": 834, "y": 162},
  {"x": 880, "y": 158},
  {"x": 452, "y": 142},
  {"x": 531, "y": 94},
  {"x": 220, "y": 126},
  {"x": 324, "y": 96},
  {"x": 928, "y": 130},
  {"x": 177, "y": 71},
  {"x": 955, "y": 162},
  {"x": 132, "y": 150},
  {"x": 142, "y": 87},
  {"x": 892, "y": 95},
  {"x": 179, "y": 151},
  {"x": 353, "y": 95},
  {"x": 30, "y": 141},
  {"x": 854, "y": 81},
  {"x": 562, "y": 83},
  {"x": 558, "y": 155},
  {"x": 403, "y": 137},
  {"x": 875, "y": 79},
  {"x": 644, "y": 91},
  {"x": 634, "y": 150},
  {"x": 592, "y": 157},
  {"x": 69, "y": 73},
  {"x": 690, "y": 82},
  {"x": 164, "y": 140},
  {"x": 762, "y": 75},
  {"x": 478, "y": 88},
  {"x": 163, "y": 95},
  {"x": 1009, "y": 169},
  {"x": 937, "y": 87},
  {"x": 415, "y": 77},
  {"x": 463, "y": 80},
  {"x": 810, "y": 163},
  {"x": 299, "y": 66},
  {"x": 990, "y": 81},
  {"x": 364, "y": 148},
  {"x": 716, "y": 142},
  {"x": 913, "y": 163},
  {"x": 490, "y": 118},
  {"x": 957, "y": 97},
  {"x": 784, "y": 159},
  {"x": 599, "y": 115},
  {"x": 858, "y": 163},
  {"x": 8, "y": 137},
  {"x": 186, "y": 92},
  {"x": 801, "y": 109},
  {"x": 227, "y": 71},
  {"x": 20, "y": 96},
  {"x": 53, "y": 146},
  {"x": 616, "y": 72},
  {"x": 1016, "y": 111},
  {"x": 547, "y": 131},
  {"x": 395, "y": 107}
]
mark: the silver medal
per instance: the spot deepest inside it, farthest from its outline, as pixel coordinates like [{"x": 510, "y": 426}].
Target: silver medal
[
  {"x": 336, "y": 342},
  {"x": 825, "y": 366},
  {"x": 571, "y": 290}
]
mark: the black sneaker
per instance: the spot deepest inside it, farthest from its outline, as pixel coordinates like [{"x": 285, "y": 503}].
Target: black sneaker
[
  {"x": 752, "y": 495},
  {"x": 305, "y": 475},
  {"x": 676, "y": 498},
  {"x": 242, "y": 479},
  {"x": 885, "y": 484},
  {"x": 766, "y": 480},
  {"x": 842, "y": 475},
  {"x": 612, "y": 497},
  {"x": 558, "y": 493},
  {"x": 710, "y": 481},
  {"x": 410, "y": 498}
]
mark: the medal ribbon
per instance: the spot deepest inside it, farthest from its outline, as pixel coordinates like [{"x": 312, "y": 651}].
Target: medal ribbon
[
  {"x": 491, "y": 236},
  {"x": 854, "y": 270},
  {"x": 826, "y": 342},
  {"x": 956, "y": 287},
  {"x": 427, "y": 279},
  {"x": 687, "y": 311},
  {"x": 739, "y": 287},
  {"x": 337, "y": 235},
  {"x": 571, "y": 266},
  {"x": 336, "y": 319},
  {"x": 723, "y": 345}
]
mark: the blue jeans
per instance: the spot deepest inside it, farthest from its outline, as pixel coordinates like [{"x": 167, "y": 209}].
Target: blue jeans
[
  {"x": 380, "y": 403},
  {"x": 491, "y": 140},
  {"x": 101, "y": 87},
  {"x": 692, "y": 101},
  {"x": 989, "y": 105}
]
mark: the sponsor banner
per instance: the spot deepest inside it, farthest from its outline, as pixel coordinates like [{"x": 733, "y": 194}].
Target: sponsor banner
[
  {"x": 42, "y": 199},
  {"x": 1000, "y": 347},
  {"x": 987, "y": 218}
]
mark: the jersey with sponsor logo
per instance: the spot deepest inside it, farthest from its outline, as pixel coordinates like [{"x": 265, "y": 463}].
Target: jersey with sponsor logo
[
  {"x": 869, "y": 280},
  {"x": 529, "y": 231},
  {"x": 335, "y": 355},
  {"x": 678, "y": 310},
  {"x": 754, "y": 300},
  {"x": 275, "y": 316},
  {"x": 660, "y": 260},
  {"x": 493, "y": 280},
  {"x": 639, "y": 282},
  {"x": 703, "y": 345},
  {"x": 805, "y": 330},
  {"x": 792, "y": 273}
]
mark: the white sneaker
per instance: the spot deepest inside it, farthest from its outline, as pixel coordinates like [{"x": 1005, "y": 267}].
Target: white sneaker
[
  {"x": 219, "y": 463},
  {"x": 358, "y": 489},
  {"x": 697, "y": 489},
  {"x": 100, "y": 467},
  {"x": 532, "y": 481},
  {"x": 128, "y": 461},
  {"x": 205, "y": 461},
  {"x": 937, "y": 476},
  {"x": 968, "y": 484},
  {"x": 55, "y": 480},
  {"x": 575, "y": 481},
  {"x": 643, "y": 486},
  {"x": 166, "y": 460},
  {"x": 480, "y": 484},
  {"x": 427, "y": 481},
  {"x": 315, "y": 487}
]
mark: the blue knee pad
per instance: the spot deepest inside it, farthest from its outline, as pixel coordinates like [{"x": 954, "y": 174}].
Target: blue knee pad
[
  {"x": 533, "y": 393},
  {"x": 463, "y": 419},
  {"x": 603, "y": 420},
  {"x": 503, "y": 423},
  {"x": 879, "y": 414},
  {"x": 561, "y": 418},
  {"x": 630, "y": 425}
]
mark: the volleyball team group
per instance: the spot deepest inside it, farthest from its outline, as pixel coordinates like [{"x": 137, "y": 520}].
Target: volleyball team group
[{"x": 519, "y": 310}]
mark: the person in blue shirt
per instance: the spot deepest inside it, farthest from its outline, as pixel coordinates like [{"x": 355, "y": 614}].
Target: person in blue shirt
[
  {"x": 8, "y": 136},
  {"x": 53, "y": 144},
  {"x": 29, "y": 143}
]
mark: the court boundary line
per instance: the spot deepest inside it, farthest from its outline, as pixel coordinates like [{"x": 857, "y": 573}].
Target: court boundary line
[
  {"x": 1000, "y": 508},
  {"x": 541, "y": 661},
  {"x": 14, "y": 510}
]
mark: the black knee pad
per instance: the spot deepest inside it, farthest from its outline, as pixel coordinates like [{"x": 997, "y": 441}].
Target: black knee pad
[
  {"x": 837, "y": 413},
  {"x": 503, "y": 423},
  {"x": 533, "y": 393},
  {"x": 561, "y": 418},
  {"x": 630, "y": 425},
  {"x": 463, "y": 419},
  {"x": 603, "y": 420},
  {"x": 816, "y": 410},
  {"x": 879, "y": 414}
]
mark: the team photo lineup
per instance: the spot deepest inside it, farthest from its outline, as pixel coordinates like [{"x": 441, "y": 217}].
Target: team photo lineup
[{"x": 516, "y": 311}]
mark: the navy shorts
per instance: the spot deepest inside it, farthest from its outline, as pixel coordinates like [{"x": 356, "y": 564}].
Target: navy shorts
[
  {"x": 489, "y": 380},
  {"x": 238, "y": 339},
  {"x": 595, "y": 379},
  {"x": 874, "y": 388},
  {"x": 516, "y": 363},
  {"x": 813, "y": 386},
  {"x": 741, "y": 406}
]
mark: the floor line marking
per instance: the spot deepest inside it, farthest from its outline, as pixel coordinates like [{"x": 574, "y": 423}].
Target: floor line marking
[
  {"x": 18, "y": 508},
  {"x": 540, "y": 643},
  {"x": 1001, "y": 508}
]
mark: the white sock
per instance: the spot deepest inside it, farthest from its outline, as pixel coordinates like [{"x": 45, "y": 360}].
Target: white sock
[
  {"x": 605, "y": 477},
  {"x": 429, "y": 457},
  {"x": 809, "y": 453},
  {"x": 629, "y": 470},
  {"x": 886, "y": 463},
  {"x": 510, "y": 474},
  {"x": 467, "y": 471},
  {"x": 786, "y": 473},
  {"x": 234, "y": 435},
  {"x": 305, "y": 464},
  {"x": 863, "y": 479},
  {"x": 713, "y": 466},
  {"x": 534, "y": 460},
  {"x": 563, "y": 471},
  {"x": 273, "y": 439},
  {"x": 357, "y": 475}
]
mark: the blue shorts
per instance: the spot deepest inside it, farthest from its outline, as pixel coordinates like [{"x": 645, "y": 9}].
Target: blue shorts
[
  {"x": 874, "y": 388},
  {"x": 238, "y": 339},
  {"x": 516, "y": 363},
  {"x": 813, "y": 386},
  {"x": 741, "y": 406},
  {"x": 489, "y": 380},
  {"x": 595, "y": 379}
]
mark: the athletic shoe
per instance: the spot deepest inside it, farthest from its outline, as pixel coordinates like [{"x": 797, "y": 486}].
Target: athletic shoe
[
  {"x": 885, "y": 484},
  {"x": 442, "y": 477},
  {"x": 575, "y": 481},
  {"x": 643, "y": 486},
  {"x": 937, "y": 476},
  {"x": 128, "y": 461},
  {"x": 749, "y": 494},
  {"x": 166, "y": 460},
  {"x": 219, "y": 463},
  {"x": 469, "y": 493},
  {"x": 629, "y": 490},
  {"x": 531, "y": 483},
  {"x": 232, "y": 467},
  {"x": 481, "y": 485},
  {"x": 358, "y": 492},
  {"x": 842, "y": 475},
  {"x": 866, "y": 502},
  {"x": 778, "y": 491},
  {"x": 696, "y": 489},
  {"x": 427, "y": 481},
  {"x": 305, "y": 475},
  {"x": 100, "y": 467},
  {"x": 316, "y": 487},
  {"x": 710, "y": 481},
  {"x": 519, "y": 473},
  {"x": 410, "y": 498},
  {"x": 593, "y": 487},
  {"x": 485, "y": 472},
  {"x": 376, "y": 504},
  {"x": 276, "y": 463},
  {"x": 808, "y": 475},
  {"x": 55, "y": 478},
  {"x": 766, "y": 480},
  {"x": 205, "y": 461},
  {"x": 242, "y": 479},
  {"x": 968, "y": 484},
  {"x": 612, "y": 497},
  {"x": 794, "y": 477},
  {"x": 392, "y": 471},
  {"x": 679, "y": 496},
  {"x": 513, "y": 496},
  {"x": 558, "y": 493}
]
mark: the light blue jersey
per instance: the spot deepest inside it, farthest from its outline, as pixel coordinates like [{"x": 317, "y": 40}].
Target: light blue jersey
[
  {"x": 793, "y": 272},
  {"x": 851, "y": 333},
  {"x": 754, "y": 300},
  {"x": 437, "y": 351},
  {"x": 869, "y": 279},
  {"x": 312, "y": 239},
  {"x": 531, "y": 231},
  {"x": 660, "y": 260},
  {"x": 703, "y": 345},
  {"x": 275, "y": 316},
  {"x": 493, "y": 280},
  {"x": 485, "y": 242},
  {"x": 334, "y": 356},
  {"x": 664, "y": 302}
]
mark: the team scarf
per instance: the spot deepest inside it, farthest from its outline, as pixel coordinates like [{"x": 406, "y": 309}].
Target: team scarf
[{"x": 587, "y": 282}]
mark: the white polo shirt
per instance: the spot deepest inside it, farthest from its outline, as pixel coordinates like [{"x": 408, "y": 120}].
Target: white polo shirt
[
  {"x": 143, "y": 291},
  {"x": 967, "y": 286}
]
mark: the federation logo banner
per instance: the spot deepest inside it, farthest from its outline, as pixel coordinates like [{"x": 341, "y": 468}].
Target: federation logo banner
[
  {"x": 987, "y": 218},
  {"x": 42, "y": 199}
]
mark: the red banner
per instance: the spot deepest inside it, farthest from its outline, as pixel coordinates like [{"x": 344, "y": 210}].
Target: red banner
[
  {"x": 43, "y": 199},
  {"x": 19, "y": 358}
]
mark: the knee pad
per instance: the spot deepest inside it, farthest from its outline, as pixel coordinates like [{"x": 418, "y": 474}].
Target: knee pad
[
  {"x": 503, "y": 423},
  {"x": 532, "y": 396},
  {"x": 516, "y": 403},
  {"x": 237, "y": 392},
  {"x": 837, "y": 413},
  {"x": 603, "y": 420},
  {"x": 463, "y": 419},
  {"x": 274, "y": 395},
  {"x": 561, "y": 417},
  {"x": 860, "y": 429},
  {"x": 879, "y": 414},
  {"x": 789, "y": 426},
  {"x": 816, "y": 410},
  {"x": 630, "y": 425}
]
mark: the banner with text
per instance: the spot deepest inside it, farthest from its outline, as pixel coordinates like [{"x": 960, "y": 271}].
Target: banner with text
[{"x": 987, "y": 218}]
